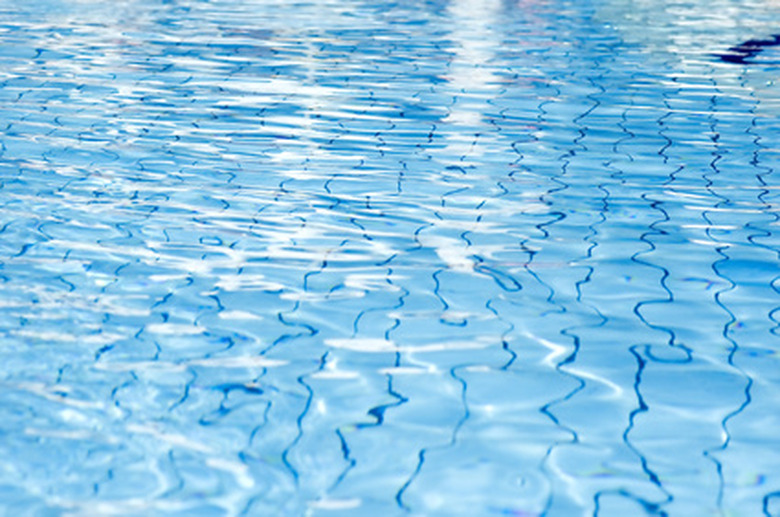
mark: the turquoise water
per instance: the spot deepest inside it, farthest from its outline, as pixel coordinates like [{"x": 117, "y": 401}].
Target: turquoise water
[{"x": 352, "y": 258}]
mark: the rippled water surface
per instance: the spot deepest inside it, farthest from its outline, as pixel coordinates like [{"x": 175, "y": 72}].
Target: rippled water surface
[{"x": 356, "y": 258}]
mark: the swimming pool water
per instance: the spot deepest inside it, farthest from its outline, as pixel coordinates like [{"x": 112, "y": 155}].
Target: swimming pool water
[{"x": 466, "y": 257}]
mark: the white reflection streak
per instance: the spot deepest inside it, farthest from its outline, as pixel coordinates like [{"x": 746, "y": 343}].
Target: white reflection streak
[
  {"x": 473, "y": 83},
  {"x": 313, "y": 99},
  {"x": 475, "y": 42}
]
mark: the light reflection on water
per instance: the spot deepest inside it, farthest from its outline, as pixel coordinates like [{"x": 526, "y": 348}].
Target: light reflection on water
[{"x": 441, "y": 258}]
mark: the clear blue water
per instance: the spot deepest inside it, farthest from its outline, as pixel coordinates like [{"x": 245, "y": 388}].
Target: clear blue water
[{"x": 444, "y": 258}]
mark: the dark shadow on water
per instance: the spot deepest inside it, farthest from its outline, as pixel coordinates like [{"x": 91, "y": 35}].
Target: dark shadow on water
[{"x": 744, "y": 53}]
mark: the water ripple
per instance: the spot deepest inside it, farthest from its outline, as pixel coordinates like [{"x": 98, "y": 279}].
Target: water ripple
[{"x": 439, "y": 258}]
